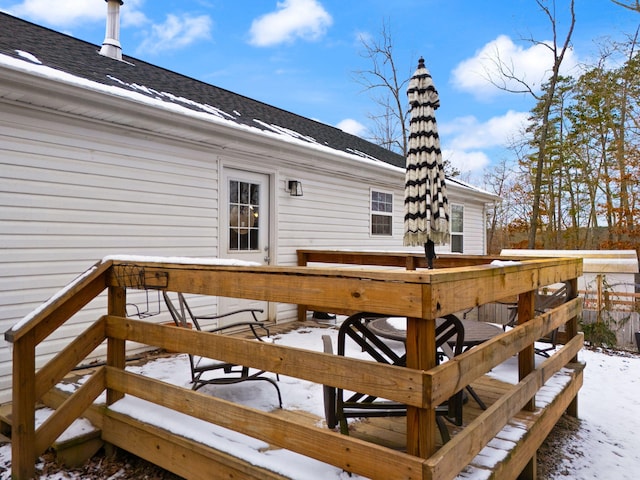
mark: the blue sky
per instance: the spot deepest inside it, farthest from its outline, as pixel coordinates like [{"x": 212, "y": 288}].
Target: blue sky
[{"x": 301, "y": 55}]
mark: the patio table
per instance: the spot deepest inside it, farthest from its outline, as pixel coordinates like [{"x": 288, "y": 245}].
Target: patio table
[{"x": 475, "y": 332}]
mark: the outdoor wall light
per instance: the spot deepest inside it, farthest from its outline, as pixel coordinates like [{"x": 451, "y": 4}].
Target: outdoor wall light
[{"x": 294, "y": 187}]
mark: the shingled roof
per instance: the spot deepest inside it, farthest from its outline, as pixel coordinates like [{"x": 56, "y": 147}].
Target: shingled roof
[{"x": 82, "y": 59}]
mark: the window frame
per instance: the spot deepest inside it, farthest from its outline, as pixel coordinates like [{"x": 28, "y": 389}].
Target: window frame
[
  {"x": 374, "y": 212},
  {"x": 246, "y": 230},
  {"x": 457, "y": 234}
]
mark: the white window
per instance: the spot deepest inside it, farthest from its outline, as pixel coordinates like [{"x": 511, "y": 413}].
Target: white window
[
  {"x": 457, "y": 228},
  {"x": 244, "y": 213},
  {"x": 381, "y": 213}
]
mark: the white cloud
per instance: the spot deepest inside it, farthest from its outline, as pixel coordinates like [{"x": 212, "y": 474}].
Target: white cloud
[
  {"x": 532, "y": 65},
  {"x": 352, "y": 126},
  {"x": 69, "y": 13},
  {"x": 467, "y": 162},
  {"x": 468, "y": 133},
  {"x": 363, "y": 38},
  {"x": 305, "y": 19},
  {"x": 175, "y": 33},
  {"x": 468, "y": 143},
  {"x": 62, "y": 13},
  {"x": 131, "y": 15}
]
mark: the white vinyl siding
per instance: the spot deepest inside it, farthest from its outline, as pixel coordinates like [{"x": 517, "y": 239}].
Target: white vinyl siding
[
  {"x": 331, "y": 215},
  {"x": 474, "y": 228},
  {"x": 73, "y": 191},
  {"x": 78, "y": 194}
]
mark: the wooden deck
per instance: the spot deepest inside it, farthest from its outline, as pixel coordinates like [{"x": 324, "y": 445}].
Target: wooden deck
[
  {"x": 499, "y": 457},
  {"x": 510, "y": 445},
  {"x": 422, "y": 296}
]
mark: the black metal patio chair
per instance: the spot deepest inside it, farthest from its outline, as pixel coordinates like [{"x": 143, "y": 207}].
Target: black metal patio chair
[
  {"x": 201, "y": 367},
  {"x": 340, "y": 405}
]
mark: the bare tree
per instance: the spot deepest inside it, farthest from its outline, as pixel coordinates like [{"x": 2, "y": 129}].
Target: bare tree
[
  {"x": 629, "y": 4},
  {"x": 388, "y": 90},
  {"x": 508, "y": 77},
  {"x": 497, "y": 179}
]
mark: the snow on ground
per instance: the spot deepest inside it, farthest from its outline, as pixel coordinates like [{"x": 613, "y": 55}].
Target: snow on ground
[
  {"x": 606, "y": 444},
  {"x": 603, "y": 447}
]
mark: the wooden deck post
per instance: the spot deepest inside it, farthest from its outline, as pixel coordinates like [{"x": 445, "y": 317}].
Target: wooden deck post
[
  {"x": 302, "y": 309},
  {"x": 23, "y": 439},
  {"x": 421, "y": 355},
  {"x": 571, "y": 329},
  {"x": 116, "y": 348},
  {"x": 526, "y": 358},
  {"x": 526, "y": 364}
]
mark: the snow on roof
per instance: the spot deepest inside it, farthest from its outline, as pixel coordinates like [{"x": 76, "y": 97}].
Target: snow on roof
[
  {"x": 37, "y": 51},
  {"x": 183, "y": 106},
  {"x": 455, "y": 180}
]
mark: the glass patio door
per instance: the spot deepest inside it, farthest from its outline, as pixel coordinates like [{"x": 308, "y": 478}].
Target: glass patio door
[{"x": 244, "y": 227}]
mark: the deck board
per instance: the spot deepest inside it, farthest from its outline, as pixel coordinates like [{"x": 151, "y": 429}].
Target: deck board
[
  {"x": 513, "y": 441},
  {"x": 391, "y": 431}
]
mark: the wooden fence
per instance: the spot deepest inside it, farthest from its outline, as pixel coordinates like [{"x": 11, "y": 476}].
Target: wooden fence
[{"x": 617, "y": 305}]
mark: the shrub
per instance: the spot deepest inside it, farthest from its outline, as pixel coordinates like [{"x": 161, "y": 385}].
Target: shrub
[{"x": 599, "y": 334}]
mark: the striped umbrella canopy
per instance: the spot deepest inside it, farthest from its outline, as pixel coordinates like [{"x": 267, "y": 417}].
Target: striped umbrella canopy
[{"x": 426, "y": 208}]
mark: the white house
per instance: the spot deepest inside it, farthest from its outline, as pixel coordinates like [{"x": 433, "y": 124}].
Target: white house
[{"x": 103, "y": 156}]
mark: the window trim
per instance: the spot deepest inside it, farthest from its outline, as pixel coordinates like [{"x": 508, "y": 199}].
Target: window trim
[
  {"x": 459, "y": 234},
  {"x": 373, "y": 212},
  {"x": 250, "y": 228}
]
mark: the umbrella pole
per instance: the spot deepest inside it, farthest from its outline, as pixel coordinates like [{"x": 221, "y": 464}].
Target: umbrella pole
[{"x": 430, "y": 252}]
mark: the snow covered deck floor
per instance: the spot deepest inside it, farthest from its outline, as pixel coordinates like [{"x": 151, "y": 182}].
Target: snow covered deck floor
[{"x": 502, "y": 456}]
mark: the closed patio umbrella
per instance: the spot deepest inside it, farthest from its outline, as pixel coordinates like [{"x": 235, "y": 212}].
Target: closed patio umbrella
[{"x": 426, "y": 215}]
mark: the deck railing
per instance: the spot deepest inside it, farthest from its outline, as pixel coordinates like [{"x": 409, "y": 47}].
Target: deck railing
[{"x": 420, "y": 295}]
